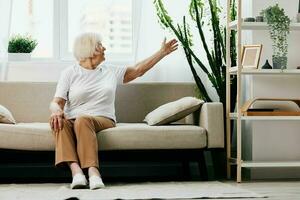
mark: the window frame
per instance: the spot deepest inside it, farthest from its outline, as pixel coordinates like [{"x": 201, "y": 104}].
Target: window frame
[{"x": 60, "y": 34}]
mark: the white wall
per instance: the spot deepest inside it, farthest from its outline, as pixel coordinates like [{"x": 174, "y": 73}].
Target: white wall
[{"x": 35, "y": 71}]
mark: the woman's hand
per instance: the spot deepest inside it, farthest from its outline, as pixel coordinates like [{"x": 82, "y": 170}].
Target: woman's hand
[
  {"x": 56, "y": 121},
  {"x": 168, "y": 47}
]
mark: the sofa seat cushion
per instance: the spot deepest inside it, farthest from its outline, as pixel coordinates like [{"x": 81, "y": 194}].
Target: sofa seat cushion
[
  {"x": 143, "y": 136},
  {"x": 26, "y": 136},
  {"x": 38, "y": 136}
]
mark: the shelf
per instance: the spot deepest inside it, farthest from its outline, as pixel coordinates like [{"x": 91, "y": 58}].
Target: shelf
[
  {"x": 232, "y": 161},
  {"x": 233, "y": 116},
  {"x": 239, "y": 25},
  {"x": 260, "y": 26},
  {"x": 271, "y": 118},
  {"x": 233, "y": 71},
  {"x": 258, "y": 164}
]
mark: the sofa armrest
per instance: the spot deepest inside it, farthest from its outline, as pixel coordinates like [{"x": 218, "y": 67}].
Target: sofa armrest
[{"x": 211, "y": 118}]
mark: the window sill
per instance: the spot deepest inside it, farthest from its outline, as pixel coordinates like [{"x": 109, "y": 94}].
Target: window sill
[
  {"x": 37, "y": 62},
  {"x": 34, "y": 62}
]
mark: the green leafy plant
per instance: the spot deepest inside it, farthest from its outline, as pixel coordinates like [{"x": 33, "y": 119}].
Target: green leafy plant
[
  {"x": 279, "y": 28},
  {"x": 21, "y": 44},
  {"x": 216, "y": 57}
]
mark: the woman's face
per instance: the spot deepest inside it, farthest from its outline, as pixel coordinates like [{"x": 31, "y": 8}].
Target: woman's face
[{"x": 99, "y": 55}]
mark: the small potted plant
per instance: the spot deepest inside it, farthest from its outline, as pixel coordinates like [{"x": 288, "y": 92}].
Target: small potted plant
[
  {"x": 20, "y": 48},
  {"x": 279, "y": 28}
]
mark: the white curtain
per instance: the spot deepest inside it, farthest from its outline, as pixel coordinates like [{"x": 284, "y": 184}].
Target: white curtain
[
  {"x": 173, "y": 68},
  {"x": 5, "y": 22}
]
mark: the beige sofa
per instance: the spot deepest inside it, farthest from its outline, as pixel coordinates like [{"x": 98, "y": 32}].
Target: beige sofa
[{"x": 29, "y": 102}]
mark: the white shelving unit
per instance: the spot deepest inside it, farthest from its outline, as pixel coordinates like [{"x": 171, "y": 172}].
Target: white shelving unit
[
  {"x": 238, "y": 25},
  {"x": 259, "y": 26},
  {"x": 233, "y": 71}
]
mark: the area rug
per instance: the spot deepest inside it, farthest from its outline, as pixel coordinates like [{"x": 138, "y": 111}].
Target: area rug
[{"x": 146, "y": 190}]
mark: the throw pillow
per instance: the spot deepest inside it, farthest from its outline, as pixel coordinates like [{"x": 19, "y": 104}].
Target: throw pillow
[
  {"x": 173, "y": 111},
  {"x": 6, "y": 116}
]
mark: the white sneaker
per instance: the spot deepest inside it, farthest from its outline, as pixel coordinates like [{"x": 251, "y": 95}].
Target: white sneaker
[
  {"x": 96, "y": 182},
  {"x": 79, "y": 181}
]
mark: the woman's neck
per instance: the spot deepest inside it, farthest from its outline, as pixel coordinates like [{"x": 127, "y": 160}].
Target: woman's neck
[{"x": 88, "y": 64}]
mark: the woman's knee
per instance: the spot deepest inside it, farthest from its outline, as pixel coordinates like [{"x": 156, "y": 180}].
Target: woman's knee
[
  {"x": 65, "y": 126},
  {"x": 82, "y": 121}
]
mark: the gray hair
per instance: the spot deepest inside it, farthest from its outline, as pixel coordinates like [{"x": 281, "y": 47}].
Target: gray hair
[{"x": 85, "y": 45}]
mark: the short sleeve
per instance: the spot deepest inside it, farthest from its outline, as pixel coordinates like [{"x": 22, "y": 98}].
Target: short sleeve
[
  {"x": 63, "y": 85},
  {"x": 119, "y": 72}
]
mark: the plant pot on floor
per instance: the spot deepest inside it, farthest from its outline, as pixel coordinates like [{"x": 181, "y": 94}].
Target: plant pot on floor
[
  {"x": 279, "y": 62},
  {"x": 19, "y": 56}
]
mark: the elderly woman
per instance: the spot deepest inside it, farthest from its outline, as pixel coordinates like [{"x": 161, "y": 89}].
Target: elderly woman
[{"x": 83, "y": 105}]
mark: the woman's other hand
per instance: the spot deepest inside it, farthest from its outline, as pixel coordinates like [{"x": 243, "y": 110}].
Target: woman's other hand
[
  {"x": 168, "y": 47},
  {"x": 56, "y": 121},
  {"x": 57, "y": 117}
]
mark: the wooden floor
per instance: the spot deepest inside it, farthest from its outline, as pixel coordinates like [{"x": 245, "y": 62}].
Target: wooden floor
[{"x": 275, "y": 190}]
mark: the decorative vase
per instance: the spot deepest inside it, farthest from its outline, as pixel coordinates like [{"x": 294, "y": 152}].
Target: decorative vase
[
  {"x": 267, "y": 65},
  {"x": 279, "y": 62},
  {"x": 19, "y": 56}
]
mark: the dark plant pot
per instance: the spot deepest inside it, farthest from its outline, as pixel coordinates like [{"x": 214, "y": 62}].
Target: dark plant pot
[
  {"x": 279, "y": 62},
  {"x": 259, "y": 19}
]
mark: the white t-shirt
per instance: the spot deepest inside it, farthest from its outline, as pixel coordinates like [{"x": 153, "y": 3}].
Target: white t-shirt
[{"x": 90, "y": 92}]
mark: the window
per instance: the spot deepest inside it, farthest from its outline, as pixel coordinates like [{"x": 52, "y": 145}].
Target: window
[
  {"x": 35, "y": 18},
  {"x": 112, "y": 19},
  {"x": 55, "y": 24}
]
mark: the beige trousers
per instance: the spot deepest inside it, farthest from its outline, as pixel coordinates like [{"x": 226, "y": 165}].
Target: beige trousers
[{"x": 77, "y": 141}]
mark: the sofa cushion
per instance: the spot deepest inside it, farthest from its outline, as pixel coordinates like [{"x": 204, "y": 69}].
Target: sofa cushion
[
  {"x": 173, "y": 111},
  {"x": 5, "y": 116},
  {"x": 143, "y": 136},
  {"x": 26, "y": 136},
  {"x": 38, "y": 136}
]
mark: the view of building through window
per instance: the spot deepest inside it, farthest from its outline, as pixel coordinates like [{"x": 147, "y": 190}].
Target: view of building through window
[{"x": 112, "y": 19}]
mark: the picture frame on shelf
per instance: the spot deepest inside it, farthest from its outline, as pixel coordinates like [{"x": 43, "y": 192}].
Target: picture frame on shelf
[{"x": 251, "y": 56}]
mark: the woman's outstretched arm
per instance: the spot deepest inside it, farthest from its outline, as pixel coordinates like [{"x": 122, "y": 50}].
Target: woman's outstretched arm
[{"x": 142, "y": 67}]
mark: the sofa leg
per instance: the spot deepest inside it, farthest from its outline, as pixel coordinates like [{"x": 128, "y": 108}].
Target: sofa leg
[
  {"x": 186, "y": 170},
  {"x": 202, "y": 167},
  {"x": 219, "y": 163}
]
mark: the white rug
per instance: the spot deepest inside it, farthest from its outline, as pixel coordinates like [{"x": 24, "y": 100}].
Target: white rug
[{"x": 149, "y": 190}]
